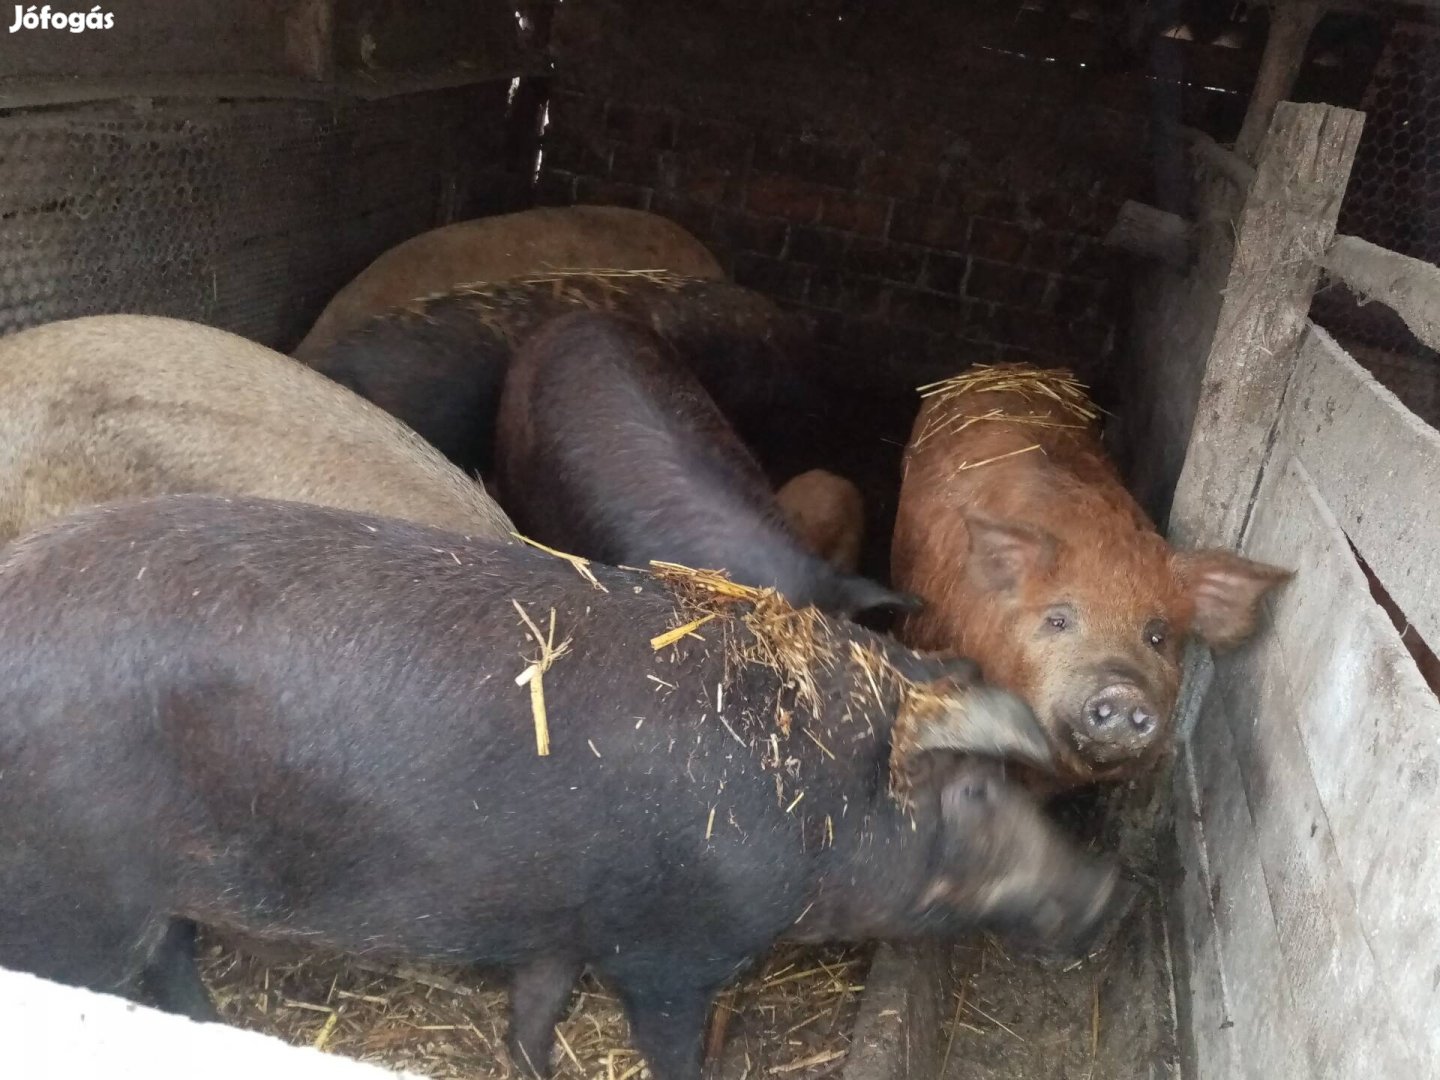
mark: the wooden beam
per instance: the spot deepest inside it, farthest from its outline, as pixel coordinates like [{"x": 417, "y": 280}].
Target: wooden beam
[
  {"x": 1151, "y": 233},
  {"x": 1409, "y": 287},
  {"x": 1287, "y": 222},
  {"x": 1225, "y": 162},
  {"x": 1291, "y": 23}
]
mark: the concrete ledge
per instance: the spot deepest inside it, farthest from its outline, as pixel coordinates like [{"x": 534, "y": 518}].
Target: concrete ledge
[{"x": 61, "y": 1031}]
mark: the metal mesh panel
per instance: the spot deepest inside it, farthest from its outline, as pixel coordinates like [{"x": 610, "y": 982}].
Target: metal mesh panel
[
  {"x": 244, "y": 215},
  {"x": 1394, "y": 201}
]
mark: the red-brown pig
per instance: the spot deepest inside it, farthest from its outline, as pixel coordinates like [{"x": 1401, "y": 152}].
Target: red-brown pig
[
  {"x": 508, "y": 246},
  {"x": 827, "y": 512},
  {"x": 1031, "y": 557}
]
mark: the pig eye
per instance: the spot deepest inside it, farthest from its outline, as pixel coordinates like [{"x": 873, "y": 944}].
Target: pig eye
[
  {"x": 1157, "y": 633},
  {"x": 976, "y": 790},
  {"x": 1059, "y": 619}
]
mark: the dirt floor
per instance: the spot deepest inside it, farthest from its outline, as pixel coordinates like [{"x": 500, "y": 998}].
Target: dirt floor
[
  {"x": 792, "y": 1018},
  {"x": 1110, "y": 1016}
]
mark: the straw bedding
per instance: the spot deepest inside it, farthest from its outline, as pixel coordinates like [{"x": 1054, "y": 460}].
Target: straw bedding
[{"x": 791, "y": 1018}]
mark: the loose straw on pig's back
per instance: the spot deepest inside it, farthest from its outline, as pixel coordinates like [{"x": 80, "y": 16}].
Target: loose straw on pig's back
[
  {"x": 796, "y": 643},
  {"x": 1053, "y": 389},
  {"x": 793, "y": 642},
  {"x": 588, "y": 289}
]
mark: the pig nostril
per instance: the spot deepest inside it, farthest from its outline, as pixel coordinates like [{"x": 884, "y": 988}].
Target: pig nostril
[
  {"x": 1142, "y": 720},
  {"x": 1103, "y": 712}
]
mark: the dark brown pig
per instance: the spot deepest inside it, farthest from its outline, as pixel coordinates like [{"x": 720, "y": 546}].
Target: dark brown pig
[
  {"x": 610, "y": 449},
  {"x": 439, "y": 364},
  {"x": 124, "y": 406},
  {"x": 305, "y": 725},
  {"x": 508, "y": 246},
  {"x": 827, "y": 512},
  {"x": 1032, "y": 558}
]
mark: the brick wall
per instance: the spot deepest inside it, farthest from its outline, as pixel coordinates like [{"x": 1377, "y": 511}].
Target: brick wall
[{"x": 931, "y": 193}]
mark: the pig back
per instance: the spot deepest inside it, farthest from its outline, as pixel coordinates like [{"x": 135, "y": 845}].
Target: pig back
[
  {"x": 439, "y": 364},
  {"x": 127, "y": 406},
  {"x": 510, "y": 245},
  {"x": 610, "y": 449},
  {"x": 357, "y": 676}
]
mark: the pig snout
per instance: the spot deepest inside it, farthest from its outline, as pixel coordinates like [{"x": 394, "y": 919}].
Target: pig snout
[{"x": 1120, "y": 718}]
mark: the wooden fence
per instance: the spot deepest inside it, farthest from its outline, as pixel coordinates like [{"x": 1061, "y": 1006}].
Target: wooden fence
[{"x": 1307, "y": 793}]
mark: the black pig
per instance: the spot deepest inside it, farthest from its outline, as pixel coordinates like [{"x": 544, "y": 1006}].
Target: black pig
[
  {"x": 305, "y": 724},
  {"x": 438, "y": 364},
  {"x": 610, "y": 449}
]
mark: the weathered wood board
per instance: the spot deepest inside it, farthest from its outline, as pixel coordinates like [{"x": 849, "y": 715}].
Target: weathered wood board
[
  {"x": 1207, "y": 1034},
  {"x": 1260, "y": 1005},
  {"x": 1377, "y": 466},
  {"x": 1288, "y": 221},
  {"x": 1343, "y": 766}
]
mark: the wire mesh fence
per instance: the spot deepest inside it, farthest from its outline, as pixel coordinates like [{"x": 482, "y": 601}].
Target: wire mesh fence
[
  {"x": 1394, "y": 201},
  {"x": 247, "y": 215}
]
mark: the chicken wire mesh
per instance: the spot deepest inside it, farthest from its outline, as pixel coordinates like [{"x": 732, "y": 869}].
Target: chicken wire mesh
[
  {"x": 1394, "y": 200},
  {"x": 247, "y": 215}
]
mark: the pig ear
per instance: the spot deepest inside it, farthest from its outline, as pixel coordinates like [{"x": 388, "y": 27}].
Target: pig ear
[
  {"x": 1226, "y": 589},
  {"x": 985, "y": 721},
  {"x": 1005, "y": 553}
]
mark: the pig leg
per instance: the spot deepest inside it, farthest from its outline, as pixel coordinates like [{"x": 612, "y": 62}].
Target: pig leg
[
  {"x": 539, "y": 993},
  {"x": 170, "y": 976},
  {"x": 71, "y": 937},
  {"x": 666, "y": 1025}
]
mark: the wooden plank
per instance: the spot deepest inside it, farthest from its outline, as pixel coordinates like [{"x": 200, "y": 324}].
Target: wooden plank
[
  {"x": 1226, "y": 163},
  {"x": 1371, "y": 737},
  {"x": 1151, "y": 233},
  {"x": 1207, "y": 1034},
  {"x": 1377, "y": 466},
  {"x": 1288, "y": 218},
  {"x": 1345, "y": 1020},
  {"x": 1262, "y": 1007},
  {"x": 903, "y": 1011},
  {"x": 1291, "y": 23},
  {"x": 1409, "y": 287}
]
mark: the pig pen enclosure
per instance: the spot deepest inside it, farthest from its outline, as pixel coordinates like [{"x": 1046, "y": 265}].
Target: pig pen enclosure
[{"x": 1220, "y": 216}]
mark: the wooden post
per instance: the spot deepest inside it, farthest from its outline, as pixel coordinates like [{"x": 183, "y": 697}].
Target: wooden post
[
  {"x": 1151, "y": 233},
  {"x": 1291, "y": 23},
  {"x": 1283, "y": 230}
]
